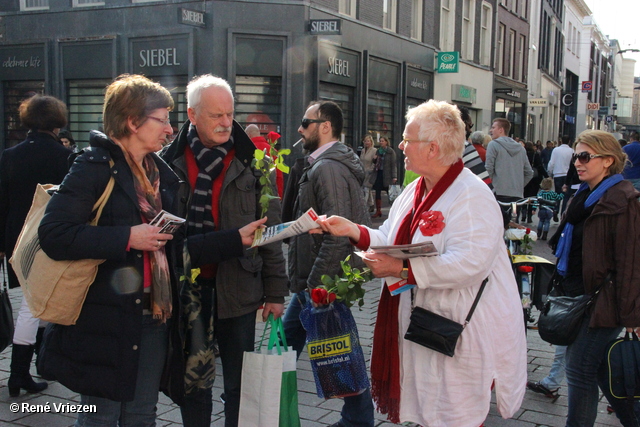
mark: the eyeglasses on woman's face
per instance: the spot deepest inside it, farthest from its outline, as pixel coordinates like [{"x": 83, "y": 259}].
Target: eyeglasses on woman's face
[
  {"x": 584, "y": 157},
  {"x": 306, "y": 122},
  {"x": 166, "y": 122}
]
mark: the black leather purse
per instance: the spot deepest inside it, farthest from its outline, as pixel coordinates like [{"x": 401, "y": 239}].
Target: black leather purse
[
  {"x": 560, "y": 318},
  {"x": 436, "y": 332}
]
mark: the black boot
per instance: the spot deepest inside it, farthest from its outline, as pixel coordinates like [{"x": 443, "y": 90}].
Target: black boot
[
  {"x": 36, "y": 349},
  {"x": 544, "y": 235},
  {"x": 20, "y": 377}
]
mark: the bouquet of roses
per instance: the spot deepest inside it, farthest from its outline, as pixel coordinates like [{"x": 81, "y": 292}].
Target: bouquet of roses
[{"x": 346, "y": 289}]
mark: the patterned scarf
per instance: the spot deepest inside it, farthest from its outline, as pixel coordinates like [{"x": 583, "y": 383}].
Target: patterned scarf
[
  {"x": 210, "y": 163},
  {"x": 385, "y": 358},
  {"x": 147, "y": 185},
  {"x": 380, "y": 153}
]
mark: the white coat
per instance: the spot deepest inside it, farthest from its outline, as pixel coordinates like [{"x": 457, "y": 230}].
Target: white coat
[{"x": 437, "y": 390}]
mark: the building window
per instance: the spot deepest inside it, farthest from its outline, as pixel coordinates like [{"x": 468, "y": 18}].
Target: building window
[
  {"x": 416, "y": 19},
  {"x": 485, "y": 33},
  {"x": 511, "y": 72},
  {"x": 447, "y": 14},
  {"x": 347, "y": 7},
  {"x": 34, "y": 4},
  {"x": 380, "y": 116},
  {"x": 577, "y": 40},
  {"x": 146, "y": 1},
  {"x": 80, "y": 3},
  {"x": 389, "y": 10},
  {"x": 85, "y": 99},
  {"x": 14, "y": 92},
  {"x": 468, "y": 31},
  {"x": 522, "y": 57},
  {"x": 345, "y": 98},
  {"x": 259, "y": 101},
  {"x": 500, "y": 50}
]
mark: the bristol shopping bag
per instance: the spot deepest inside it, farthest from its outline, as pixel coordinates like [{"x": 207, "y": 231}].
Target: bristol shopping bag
[
  {"x": 334, "y": 350},
  {"x": 6, "y": 313},
  {"x": 269, "y": 390}
]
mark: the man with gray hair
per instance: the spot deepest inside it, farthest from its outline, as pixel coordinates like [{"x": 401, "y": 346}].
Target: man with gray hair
[{"x": 213, "y": 155}]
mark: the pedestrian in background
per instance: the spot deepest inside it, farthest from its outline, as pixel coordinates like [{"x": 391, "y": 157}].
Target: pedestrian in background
[
  {"x": 545, "y": 155},
  {"x": 598, "y": 244},
  {"x": 412, "y": 383},
  {"x": 532, "y": 187},
  {"x": 632, "y": 169},
  {"x": 559, "y": 166},
  {"x": 366, "y": 157},
  {"x": 545, "y": 213},
  {"x": 477, "y": 139},
  {"x": 386, "y": 172},
  {"x": 40, "y": 159}
]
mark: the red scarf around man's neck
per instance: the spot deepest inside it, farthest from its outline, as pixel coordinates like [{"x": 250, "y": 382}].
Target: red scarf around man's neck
[{"x": 385, "y": 359}]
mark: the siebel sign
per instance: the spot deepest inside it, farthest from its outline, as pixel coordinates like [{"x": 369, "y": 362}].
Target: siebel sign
[
  {"x": 191, "y": 17},
  {"x": 325, "y": 26}
]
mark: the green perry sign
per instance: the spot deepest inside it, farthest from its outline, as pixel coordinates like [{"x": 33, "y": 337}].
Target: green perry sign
[{"x": 448, "y": 62}]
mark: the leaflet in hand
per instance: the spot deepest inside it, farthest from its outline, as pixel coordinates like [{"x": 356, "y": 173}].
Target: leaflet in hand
[
  {"x": 406, "y": 251},
  {"x": 289, "y": 229},
  {"x": 169, "y": 223}
]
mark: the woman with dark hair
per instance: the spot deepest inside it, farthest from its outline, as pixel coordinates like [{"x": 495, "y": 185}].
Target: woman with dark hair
[
  {"x": 539, "y": 173},
  {"x": 385, "y": 173},
  {"x": 67, "y": 140},
  {"x": 366, "y": 157},
  {"x": 40, "y": 159},
  {"x": 598, "y": 246}
]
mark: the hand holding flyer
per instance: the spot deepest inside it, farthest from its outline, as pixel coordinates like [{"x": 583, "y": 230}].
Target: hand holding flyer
[
  {"x": 289, "y": 229},
  {"x": 169, "y": 223}
]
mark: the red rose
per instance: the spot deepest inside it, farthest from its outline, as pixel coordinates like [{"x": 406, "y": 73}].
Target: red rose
[
  {"x": 318, "y": 295},
  {"x": 331, "y": 297},
  {"x": 431, "y": 223},
  {"x": 527, "y": 231},
  {"x": 273, "y": 136}
]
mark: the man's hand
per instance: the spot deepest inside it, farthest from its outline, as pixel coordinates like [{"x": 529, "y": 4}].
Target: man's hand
[
  {"x": 247, "y": 232},
  {"x": 274, "y": 308}
]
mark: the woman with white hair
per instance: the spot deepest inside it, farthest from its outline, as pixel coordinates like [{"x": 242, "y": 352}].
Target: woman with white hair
[{"x": 411, "y": 382}]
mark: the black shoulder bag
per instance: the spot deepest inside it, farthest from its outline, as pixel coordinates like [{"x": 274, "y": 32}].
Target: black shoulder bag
[
  {"x": 436, "y": 332},
  {"x": 559, "y": 321}
]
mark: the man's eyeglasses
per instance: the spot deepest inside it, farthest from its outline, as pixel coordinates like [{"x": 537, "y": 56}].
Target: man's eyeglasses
[
  {"x": 164, "y": 122},
  {"x": 306, "y": 122},
  {"x": 584, "y": 157}
]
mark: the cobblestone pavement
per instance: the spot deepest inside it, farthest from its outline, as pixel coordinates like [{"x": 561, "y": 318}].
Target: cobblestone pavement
[{"x": 536, "y": 409}]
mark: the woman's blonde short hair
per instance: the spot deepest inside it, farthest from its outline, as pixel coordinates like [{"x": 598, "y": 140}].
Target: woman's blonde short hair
[
  {"x": 440, "y": 122},
  {"x": 131, "y": 96},
  {"x": 605, "y": 144}
]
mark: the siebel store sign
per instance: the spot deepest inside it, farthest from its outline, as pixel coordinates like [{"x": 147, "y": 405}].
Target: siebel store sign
[
  {"x": 325, "y": 27},
  {"x": 160, "y": 56},
  {"x": 191, "y": 17}
]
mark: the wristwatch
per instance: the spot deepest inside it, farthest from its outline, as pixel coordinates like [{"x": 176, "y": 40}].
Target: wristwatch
[{"x": 405, "y": 269}]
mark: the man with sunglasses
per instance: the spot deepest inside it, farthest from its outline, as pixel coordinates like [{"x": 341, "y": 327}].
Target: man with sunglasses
[{"x": 330, "y": 183}]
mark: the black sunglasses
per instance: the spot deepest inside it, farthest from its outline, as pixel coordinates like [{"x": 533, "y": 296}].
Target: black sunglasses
[
  {"x": 306, "y": 122},
  {"x": 584, "y": 157}
]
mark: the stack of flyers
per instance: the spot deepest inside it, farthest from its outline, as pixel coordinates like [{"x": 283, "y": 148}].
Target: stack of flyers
[{"x": 169, "y": 223}]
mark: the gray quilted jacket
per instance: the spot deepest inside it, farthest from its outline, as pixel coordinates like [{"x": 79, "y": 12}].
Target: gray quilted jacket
[{"x": 332, "y": 186}]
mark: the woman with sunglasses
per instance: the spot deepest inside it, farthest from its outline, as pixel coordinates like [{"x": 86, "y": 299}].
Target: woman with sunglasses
[{"x": 599, "y": 237}]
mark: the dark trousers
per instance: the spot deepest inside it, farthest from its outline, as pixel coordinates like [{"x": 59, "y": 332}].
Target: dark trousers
[{"x": 235, "y": 336}]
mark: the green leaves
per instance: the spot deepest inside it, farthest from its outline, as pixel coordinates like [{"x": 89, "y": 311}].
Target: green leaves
[
  {"x": 263, "y": 163},
  {"x": 347, "y": 288}
]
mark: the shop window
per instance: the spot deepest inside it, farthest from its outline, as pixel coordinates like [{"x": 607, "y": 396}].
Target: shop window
[
  {"x": 485, "y": 33},
  {"x": 81, "y": 3},
  {"x": 416, "y": 19},
  {"x": 344, "y": 97},
  {"x": 380, "y": 117},
  {"x": 347, "y": 7},
  {"x": 510, "y": 63},
  {"x": 34, "y": 4},
  {"x": 259, "y": 101},
  {"x": 14, "y": 94},
  {"x": 84, "y": 100},
  {"x": 177, "y": 87}
]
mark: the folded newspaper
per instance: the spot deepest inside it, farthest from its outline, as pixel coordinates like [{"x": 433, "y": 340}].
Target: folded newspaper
[
  {"x": 169, "y": 222},
  {"x": 289, "y": 229},
  {"x": 404, "y": 251}
]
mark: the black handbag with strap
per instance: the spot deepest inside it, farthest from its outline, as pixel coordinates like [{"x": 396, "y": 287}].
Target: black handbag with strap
[{"x": 436, "y": 332}]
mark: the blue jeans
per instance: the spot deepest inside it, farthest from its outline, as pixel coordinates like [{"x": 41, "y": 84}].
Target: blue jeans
[
  {"x": 357, "y": 410},
  {"x": 585, "y": 372},
  {"x": 557, "y": 373},
  {"x": 141, "y": 412}
]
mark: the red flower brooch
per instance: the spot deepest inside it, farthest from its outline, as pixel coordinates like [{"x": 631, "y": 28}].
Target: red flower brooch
[{"x": 431, "y": 223}]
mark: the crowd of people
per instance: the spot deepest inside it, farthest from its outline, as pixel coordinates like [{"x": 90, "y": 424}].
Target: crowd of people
[{"x": 145, "y": 329}]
